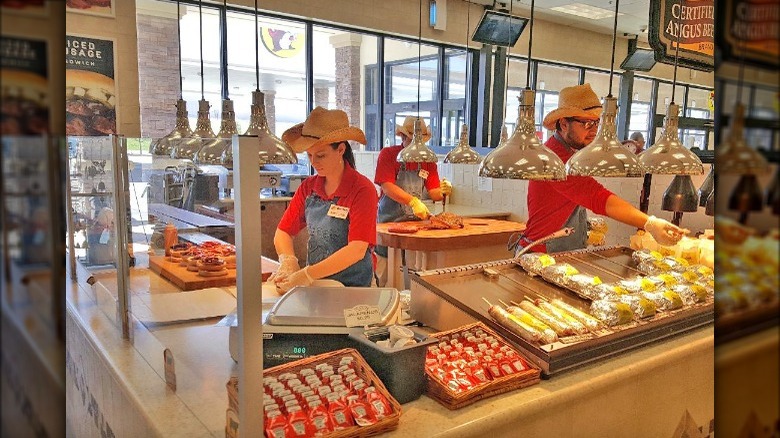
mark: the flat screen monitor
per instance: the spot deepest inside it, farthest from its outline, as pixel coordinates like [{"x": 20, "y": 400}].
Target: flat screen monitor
[
  {"x": 639, "y": 59},
  {"x": 499, "y": 28}
]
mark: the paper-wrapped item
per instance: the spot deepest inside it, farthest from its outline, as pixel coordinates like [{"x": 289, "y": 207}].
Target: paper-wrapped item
[
  {"x": 556, "y": 273},
  {"x": 609, "y": 291},
  {"x": 641, "y": 306},
  {"x": 644, "y": 255},
  {"x": 583, "y": 284},
  {"x": 690, "y": 293}
]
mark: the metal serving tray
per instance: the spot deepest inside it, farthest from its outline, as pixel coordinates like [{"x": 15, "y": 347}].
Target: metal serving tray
[{"x": 451, "y": 297}]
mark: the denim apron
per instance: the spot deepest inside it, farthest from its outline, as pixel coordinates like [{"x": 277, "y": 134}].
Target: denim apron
[
  {"x": 329, "y": 234},
  {"x": 576, "y": 240},
  {"x": 392, "y": 211}
]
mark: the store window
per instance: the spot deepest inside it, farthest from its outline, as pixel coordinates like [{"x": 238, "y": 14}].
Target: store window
[
  {"x": 454, "y": 105},
  {"x": 599, "y": 81},
  {"x": 406, "y": 78},
  {"x": 211, "y": 86},
  {"x": 640, "y": 119},
  {"x": 517, "y": 75}
]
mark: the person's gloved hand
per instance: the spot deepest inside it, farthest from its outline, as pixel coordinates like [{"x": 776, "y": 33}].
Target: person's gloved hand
[
  {"x": 298, "y": 278},
  {"x": 287, "y": 265},
  {"x": 445, "y": 187},
  {"x": 419, "y": 209},
  {"x": 664, "y": 232}
]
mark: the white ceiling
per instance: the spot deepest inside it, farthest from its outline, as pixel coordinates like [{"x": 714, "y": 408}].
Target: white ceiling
[{"x": 633, "y": 15}]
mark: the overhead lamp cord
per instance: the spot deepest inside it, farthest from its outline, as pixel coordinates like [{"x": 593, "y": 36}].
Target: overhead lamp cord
[
  {"x": 419, "y": 58},
  {"x": 468, "y": 28},
  {"x": 676, "y": 55},
  {"x": 227, "y": 75},
  {"x": 614, "y": 39},
  {"x": 200, "y": 15},
  {"x": 508, "y": 50},
  {"x": 257, "y": 51},
  {"x": 530, "y": 44},
  {"x": 178, "y": 36}
]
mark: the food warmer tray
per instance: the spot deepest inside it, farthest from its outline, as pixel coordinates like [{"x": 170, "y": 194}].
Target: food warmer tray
[{"x": 450, "y": 297}]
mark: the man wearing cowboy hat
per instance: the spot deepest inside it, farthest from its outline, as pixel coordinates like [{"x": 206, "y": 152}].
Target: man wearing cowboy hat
[
  {"x": 403, "y": 184},
  {"x": 338, "y": 206},
  {"x": 553, "y": 205}
]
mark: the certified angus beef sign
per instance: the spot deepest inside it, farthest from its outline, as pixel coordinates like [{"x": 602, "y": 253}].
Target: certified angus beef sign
[
  {"x": 689, "y": 22},
  {"x": 750, "y": 31}
]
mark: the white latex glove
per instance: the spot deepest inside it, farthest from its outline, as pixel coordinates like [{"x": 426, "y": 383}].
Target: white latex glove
[
  {"x": 664, "y": 232},
  {"x": 445, "y": 187},
  {"x": 297, "y": 278},
  {"x": 287, "y": 265},
  {"x": 419, "y": 209}
]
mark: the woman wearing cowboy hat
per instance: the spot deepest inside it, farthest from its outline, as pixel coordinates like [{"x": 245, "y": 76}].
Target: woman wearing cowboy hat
[
  {"x": 338, "y": 206},
  {"x": 553, "y": 205},
  {"x": 403, "y": 184}
]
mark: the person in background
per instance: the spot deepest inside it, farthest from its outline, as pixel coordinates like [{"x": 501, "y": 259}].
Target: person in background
[
  {"x": 403, "y": 184},
  {"x": 338, "y": 206},
  {"x": 635, "y": 143},
  {"x": 553, "y": 205}
]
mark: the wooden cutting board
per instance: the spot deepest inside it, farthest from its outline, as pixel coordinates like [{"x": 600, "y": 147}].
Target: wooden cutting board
[
  {"x": 188, "y": 280},
  {"x": 475, "y": 232}
]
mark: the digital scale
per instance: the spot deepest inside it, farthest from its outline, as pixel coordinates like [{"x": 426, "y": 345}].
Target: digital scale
[{"x": 308, "y": 321}]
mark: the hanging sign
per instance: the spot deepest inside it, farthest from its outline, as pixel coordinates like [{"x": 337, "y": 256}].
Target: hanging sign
[
  {"x": 25, "y": 86},
  {"x": 749, "y": 31},
  {"x": 90, "y": 89},
  {"x": 690, "y": 21}
]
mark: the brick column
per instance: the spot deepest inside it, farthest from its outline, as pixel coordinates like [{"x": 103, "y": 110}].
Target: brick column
[
  {"x": 321, "y": 97},
  {"x": 347, "y": 47},
  {"x": 270, "y": 109},
  {"x": 158, "y": 75}
]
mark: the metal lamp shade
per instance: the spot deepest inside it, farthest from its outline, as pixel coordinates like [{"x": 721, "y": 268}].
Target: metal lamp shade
[
  {"x": 681, "y": 195},
  {"x": 773, "y": 193},
  {"x": 734, "y": 156},
  {"x": 211, "y": 152},
  {"x": 187, "y": 148},
  {"x": 709, "y": 207},
  {"x": 203, "y": 125},
  {"x": 164, "y": 145},
  {"x": 523, "y": 156},
  {"x": 747, "y": 195},
  {"x": 463, "y": 153},
  {"x": 707, "y": 187},
  {"x": 605, "y": 156},
  {"x": 272, "y": 149},
  {"x": 668, "y": 156},
  {"x": 417, "y": 151}
]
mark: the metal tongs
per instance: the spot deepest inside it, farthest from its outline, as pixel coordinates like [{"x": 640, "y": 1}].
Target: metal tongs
[{"x": 563, "y": 232}]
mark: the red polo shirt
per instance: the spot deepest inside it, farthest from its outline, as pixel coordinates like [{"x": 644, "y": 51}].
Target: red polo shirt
[
  {"x": 550, "y": 203},
  {"x": 387, "y": 168},
  {"x": 355, "y": 192}
]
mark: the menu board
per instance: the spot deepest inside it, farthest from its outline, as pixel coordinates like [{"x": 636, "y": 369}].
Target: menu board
[
  {"x": 90, "y": 94},
  {"x": 749, "y": 32},
  {"x": 24, "y": 79},
  {"x": 689, "y": 23}
]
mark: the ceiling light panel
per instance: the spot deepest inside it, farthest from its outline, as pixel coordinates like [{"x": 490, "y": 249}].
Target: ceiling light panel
[{"x": 585, "y": 11}]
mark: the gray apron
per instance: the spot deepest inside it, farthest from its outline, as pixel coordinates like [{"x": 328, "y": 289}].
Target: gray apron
[
  {"x": 576, "y": 240},
  {"x": 329, "y": 234},
  {"x": 392, "y": 211}
]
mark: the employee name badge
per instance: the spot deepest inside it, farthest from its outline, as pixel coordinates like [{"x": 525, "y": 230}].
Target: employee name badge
[
  {"x": 423, "y": 174},
  {"x": 338, "y": 211}
]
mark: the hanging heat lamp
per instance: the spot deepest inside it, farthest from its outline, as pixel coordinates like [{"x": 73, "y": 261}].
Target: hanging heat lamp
[
  {"x": 606, "y": 156},
  {"x": 272, "y": 149},
  {"x": 188, "y": 149},
  {"x": 523, "y": 156},
  {"x": 707, "y": 187},
  {"x": 163, "y": 146},
  {"x": 416, "y": 151},
  {"x": 463, "y": 153},
  {"x": 211, "y": 152}
]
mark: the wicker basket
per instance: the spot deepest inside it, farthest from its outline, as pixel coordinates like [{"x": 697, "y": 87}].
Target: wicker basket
[
  {"x": 362, "y": 370},
  {"x": 452, "y": 400}
]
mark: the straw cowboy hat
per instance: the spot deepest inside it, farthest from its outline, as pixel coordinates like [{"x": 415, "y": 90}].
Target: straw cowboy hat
[
  {"x": 407, "y": 128},
  {"x": 576, "y": 101},
  {"x": 323, "y": 126}
]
